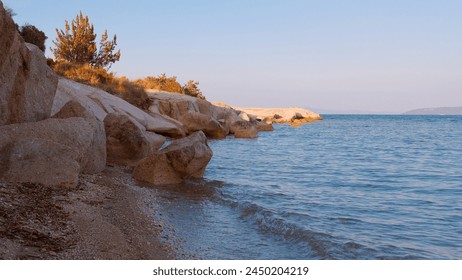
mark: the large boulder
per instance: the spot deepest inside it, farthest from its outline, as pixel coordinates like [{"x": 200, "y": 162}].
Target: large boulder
[
  {"x": 239, "y": 123},
  {"x": 195, "y": 114},
  {"x": 27, "y": 84},
  {"x": 34, "y": 160},
  {"x": 75, "y": 133},
  {"x": 100, "y": 103},
  {"x": 183, "y": 158},
  {"x": 97, "y": 161},
  {"x": 243, "y": 129},
  {"x": 127, "y": 141}
]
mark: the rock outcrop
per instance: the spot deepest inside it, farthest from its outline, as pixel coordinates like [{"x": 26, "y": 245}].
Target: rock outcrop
[
  {"x": 235, "y": 120},
  {"x": 183, "y": 158},
  {"x": 27, "y": 84},
  {"x": 195, "y": 114},
  {"x": 100, "y": 103},
  {"x": 281, "y": 115},
  {"x": 128, "y": 142}
]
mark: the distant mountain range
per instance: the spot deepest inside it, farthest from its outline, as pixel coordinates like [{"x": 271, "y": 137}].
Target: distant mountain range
[{"x": 436, "y": 111}]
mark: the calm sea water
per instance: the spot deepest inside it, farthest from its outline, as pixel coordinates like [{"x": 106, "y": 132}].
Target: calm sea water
[{"x": 347, "y": 187}]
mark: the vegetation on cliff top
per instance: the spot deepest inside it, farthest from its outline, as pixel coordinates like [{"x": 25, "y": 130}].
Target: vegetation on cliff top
[{"x": 78, "y": 57}]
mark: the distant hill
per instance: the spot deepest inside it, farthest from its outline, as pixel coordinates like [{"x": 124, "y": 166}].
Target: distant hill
[{"x": 436, "y": 111}]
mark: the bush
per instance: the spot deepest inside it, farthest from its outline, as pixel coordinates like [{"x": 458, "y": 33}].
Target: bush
[
  {"x": 33, "y": 35},
  {"x": 191, "y": 88},
  {"x": 161, "y": 82},
  {"x": 170, "y": 84}
]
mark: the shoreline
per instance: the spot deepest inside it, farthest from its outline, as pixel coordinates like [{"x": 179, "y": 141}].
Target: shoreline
[{"x": 104, "y": 217}]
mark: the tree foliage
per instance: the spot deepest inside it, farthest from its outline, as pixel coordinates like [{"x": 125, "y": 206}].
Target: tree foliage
[
  {"x": 76, "y": 44},
  {"x": 33, "y": 35},
  {"x": 105, "y": 56}
]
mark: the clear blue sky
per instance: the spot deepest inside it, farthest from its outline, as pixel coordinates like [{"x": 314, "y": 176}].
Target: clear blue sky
[{"x": 380, "y": 56}]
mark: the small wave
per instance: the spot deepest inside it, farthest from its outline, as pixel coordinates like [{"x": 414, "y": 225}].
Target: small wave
[{"x": 319, "y": 245}]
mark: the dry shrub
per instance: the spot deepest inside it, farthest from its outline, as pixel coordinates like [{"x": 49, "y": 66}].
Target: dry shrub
[
  {"x": 100, "y": 78},
  {"x": 33, "y": 35}
]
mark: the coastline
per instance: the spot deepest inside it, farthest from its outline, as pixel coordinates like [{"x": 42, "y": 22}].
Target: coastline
[{"x": 104, "y": 217}]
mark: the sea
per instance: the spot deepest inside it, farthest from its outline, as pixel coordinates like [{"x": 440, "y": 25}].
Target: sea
[{"x": 349, "y": 187}]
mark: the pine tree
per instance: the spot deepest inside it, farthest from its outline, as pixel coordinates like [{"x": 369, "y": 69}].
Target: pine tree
[
  {"x": 77, "y": 43},
  {"x": 106, "y": 56}
]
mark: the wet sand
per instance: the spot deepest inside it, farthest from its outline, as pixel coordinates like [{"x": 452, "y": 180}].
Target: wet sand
[{"x": 104, "y": 217}]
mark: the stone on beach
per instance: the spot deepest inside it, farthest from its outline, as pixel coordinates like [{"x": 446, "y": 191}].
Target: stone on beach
[{"x": 184, "y": 158}]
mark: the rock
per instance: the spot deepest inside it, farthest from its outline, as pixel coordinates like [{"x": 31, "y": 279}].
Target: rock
[
  {"x": 244, "y": 116},
  {"x": 27, "y": 84},
  {"x": 156, "y": 141},
  {"x": 128, "y": 142},
  {"x": 194, "y": 121},
  {"x": 100, "y": 103},
  {"x": 264, "y": 126},
  {"x": 243, "y": 129},
  {"x": 183, "y": 158},
  {"x": 40, "y": 161},
  {"x": 98, "y": 143},
  {"x": 73, "y": 109},
  {"x": 195, "y": 114},
  {"x": 75, "y": 133},
  {"x": 296, "y": 123},
  {"x": 281, "y": 115}
]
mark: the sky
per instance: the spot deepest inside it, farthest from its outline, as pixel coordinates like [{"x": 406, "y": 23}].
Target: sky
[{"x": 330, "y": 56}]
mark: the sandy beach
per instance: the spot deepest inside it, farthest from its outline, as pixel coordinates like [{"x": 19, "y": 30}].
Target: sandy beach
[{"x": 104, "y": 217}]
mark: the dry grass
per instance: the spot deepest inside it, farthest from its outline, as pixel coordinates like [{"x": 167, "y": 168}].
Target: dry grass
[{"x": 100, "y": 78}]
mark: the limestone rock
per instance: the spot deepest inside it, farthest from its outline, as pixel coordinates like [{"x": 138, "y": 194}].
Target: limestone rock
[
  {"x": 40, "y": 161},
  {"x": 243, "y": 129},
  {"x": 197, "y": 121},
  {"x": 282, "y": 115},
  {"x": 100, "y": 103},
  {"x": 244, "y": 116},
  {"x": 126, "y": 141},
  {"x": 296, "y": 123},
  {"x": 97, "y": 160},
  {"x": 264, "y": 126},
  {"x": 73, "y": 109},
  {"x": 183, "y": 158},
  {"x": 195, "y": 114},
  {"x": 75, "y": 133},
  {"x": 27, "y": 84}
]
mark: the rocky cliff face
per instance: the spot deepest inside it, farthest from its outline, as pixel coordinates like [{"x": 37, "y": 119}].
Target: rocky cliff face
[{"x": 27, "y": 84}]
